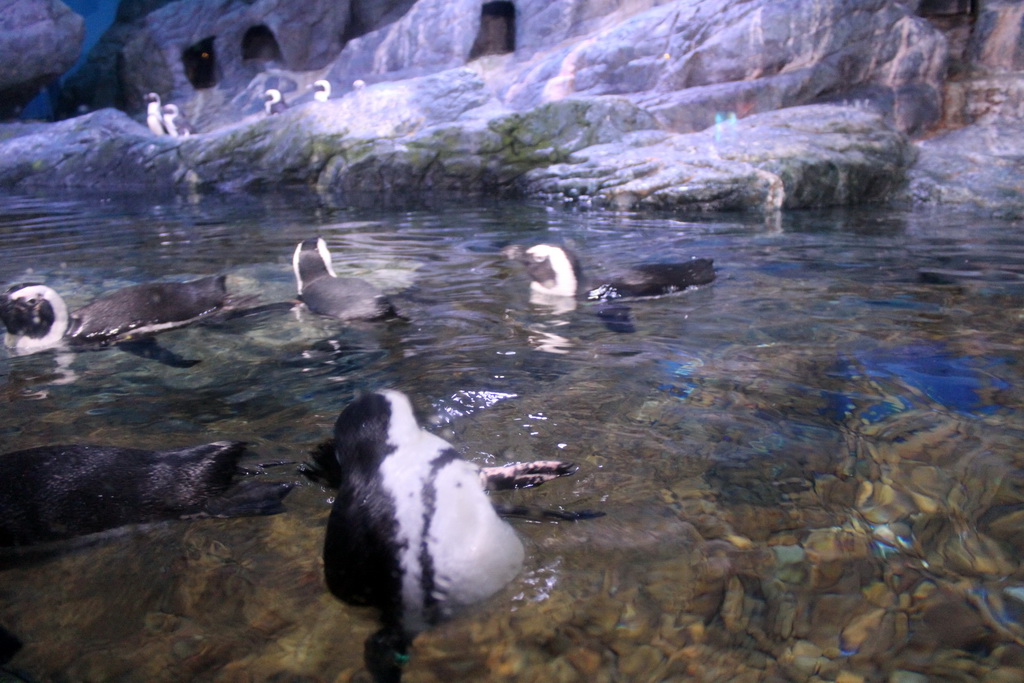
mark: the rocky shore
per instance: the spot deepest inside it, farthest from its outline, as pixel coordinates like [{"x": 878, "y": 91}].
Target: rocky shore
[{"x": 697, "y": 105}]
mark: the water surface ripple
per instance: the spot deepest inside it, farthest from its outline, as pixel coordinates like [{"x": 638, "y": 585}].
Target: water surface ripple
[{"x": 812, "y": 469}]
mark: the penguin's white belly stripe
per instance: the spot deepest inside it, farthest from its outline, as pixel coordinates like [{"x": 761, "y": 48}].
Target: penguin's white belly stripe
[
  {"x": 475, "y": 552},
  {"x": 452, "y": 543},
  {"x": 404, "y": 474}
]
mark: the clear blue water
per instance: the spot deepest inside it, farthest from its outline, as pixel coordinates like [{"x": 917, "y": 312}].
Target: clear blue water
[{"x": 823, "y": 444}]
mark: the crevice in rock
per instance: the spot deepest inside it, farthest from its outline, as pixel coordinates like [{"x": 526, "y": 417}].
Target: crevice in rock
[
  {"x": 200, "y": 64},
  {"x": 497, "y": 35},
  {"x": 259, "y": 44}
]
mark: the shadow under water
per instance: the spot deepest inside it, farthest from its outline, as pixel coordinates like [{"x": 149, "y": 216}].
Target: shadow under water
[{"x": 811, "y": 469}]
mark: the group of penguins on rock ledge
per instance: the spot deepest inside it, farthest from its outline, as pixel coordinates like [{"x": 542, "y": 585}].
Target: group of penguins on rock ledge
[
  {"x": 168, "y": 119},
  {"x": 412, "y": 531}
]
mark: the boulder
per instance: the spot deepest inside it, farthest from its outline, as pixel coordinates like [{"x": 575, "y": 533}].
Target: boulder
[
  {"x": 446, "y": 132},
  {"x": 815, "y": 155},
  {"x": 39, "y": 41},
  {"x": 979, "y": 167},
  {"x": 186, "y": 47},
  {"x": 104, "y": 149},
  {"x": 686, "y": 62},
  {"x": 96, "y": 84},
  {"x": 997, "y": 42}
]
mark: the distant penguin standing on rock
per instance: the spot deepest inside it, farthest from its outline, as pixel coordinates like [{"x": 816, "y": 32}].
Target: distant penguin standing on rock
[
  {"x": 555, "y": 271},
  {"x": 324, "y": 293},
  {"x": 52, "y": 493},
  {"x": 411, "y": 531},
  {"x": 322, "y": 90},
  {"x": 154, "y": 115},
  {"x": 274, "y": 103},
  {"x": 175, "y": 122},
  {"x": 36, "y": 317}
]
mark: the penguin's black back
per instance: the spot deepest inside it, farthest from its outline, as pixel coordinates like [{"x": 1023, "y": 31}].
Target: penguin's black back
[
  {"x": 346, "y": 298},
  {"x": 361, "y": 564},
  {"x": 56, "y": 492},
  {"x": 151, "y": 304},
  {"x": 656, "y": 279}
]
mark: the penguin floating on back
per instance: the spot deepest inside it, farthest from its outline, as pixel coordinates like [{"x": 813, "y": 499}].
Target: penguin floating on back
[
  {"x": 412, "y": 531},
  {"x": 324, "y": 293},
  {"x": 274, "y": 102},
  {"x": 52, "y": 493},
  {"x": 555, "y": 271},
  {"x": 36, "y": 317}
]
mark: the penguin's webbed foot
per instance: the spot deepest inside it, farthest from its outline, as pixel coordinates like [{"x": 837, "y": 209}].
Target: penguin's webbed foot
[
  {"x": 385, "y": 653},
  {"x": 523, "y": 475}
]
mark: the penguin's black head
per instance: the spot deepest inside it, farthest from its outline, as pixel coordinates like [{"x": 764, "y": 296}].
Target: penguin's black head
[
  {"x": 554, "y": 270},
  {"x": 311, "y": 261},
  {"x": 27, "y": 311},
  {"x": 361, "y": 433}
]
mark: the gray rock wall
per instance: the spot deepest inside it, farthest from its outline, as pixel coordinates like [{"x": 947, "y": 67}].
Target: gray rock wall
[
  {"x": 39, "y": 41},
  {"x": 687, "y": 62},
  {"x": 704, "y": 104}
]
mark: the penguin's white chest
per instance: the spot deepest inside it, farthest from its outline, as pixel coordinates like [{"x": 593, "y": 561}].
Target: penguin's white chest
[{"x": 454, "y": 549}]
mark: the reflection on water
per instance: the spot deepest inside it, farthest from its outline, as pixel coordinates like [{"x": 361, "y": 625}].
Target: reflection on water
[{"x": 812, "y": 467}]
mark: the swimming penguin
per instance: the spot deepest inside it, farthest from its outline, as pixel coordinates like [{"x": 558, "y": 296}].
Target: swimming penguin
[
  {"x": 411, "y": 531},
  {"x": 555, "y": 271},
  {"x": 154, "y": 116},
  {"x": 175, "y": 122},
  {"x": 37, "y": 318},
  {"x": 275, "y": 103},
  {"x": 52, "y": 493},
  {"x": 322, "y": 90},
  {"x": 323, "y": 292}
]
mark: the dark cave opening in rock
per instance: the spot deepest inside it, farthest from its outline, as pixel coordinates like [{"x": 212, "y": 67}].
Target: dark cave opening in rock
[
  {"x": 200, "y": 64},
  {"x": 947, "y": 7},
  {"x": 259, "y": 43},
  {"x": 497, "y": 34}
]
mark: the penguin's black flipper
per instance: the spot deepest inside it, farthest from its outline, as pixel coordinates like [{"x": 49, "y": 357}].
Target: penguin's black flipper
[
  {"x": 537, "y": 514},
  {"x": 250, "y": 498},
  {"x": 324, "y": 468},
  {"x": 523, "y": 475},
  {"x": 9, "y": 645},
  {"x": 616, "y": 317},
  {"x": 147, "y": 347},
  {"x": 242, "y": 309}
]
